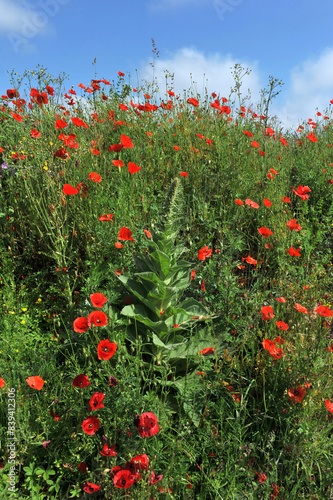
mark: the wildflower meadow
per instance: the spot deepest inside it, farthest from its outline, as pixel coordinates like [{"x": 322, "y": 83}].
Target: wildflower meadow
[{"x": 166, "y": 294}]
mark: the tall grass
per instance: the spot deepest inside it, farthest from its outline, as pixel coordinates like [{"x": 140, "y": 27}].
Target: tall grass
[{"x": 197, "y": 240}]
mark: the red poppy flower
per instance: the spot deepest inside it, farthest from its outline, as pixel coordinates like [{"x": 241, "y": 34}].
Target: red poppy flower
[
  {"x": 40, "y": 98},
  {"x": 68, "y": 189},
  {"x": 79, "y": 123},
  {"x": 269, "y": 132},
  {"x": 301, "y": 192},
  {"x": 184, "y": 174},
  {"x": 82, "y": 467},
  {"x": 153, "y": 478},
  {"x": 148, "y": 425},
  {"x": 34, "y": 133},
  {"x": 282, "y": 325},
  {"x": 95, "y": 177},
  {"x": 81, "y": 381},
  {"x": 215, "y": 104},
  {"x": 204, "y": 252},
  {"x": 140, "y": 462},
  {"x": 91, "y": 487},
  {"x": 98, "y": 299},
  {"x": 16, "y": 117},
  {"x": 12, "y": 93},
  {"x": 294, "y": 252},
  {"x": 61, "y": 153},
  {"x": 249, "y": 134},
  {"x": 115, "y": 147},
  {"x": 105, "y": 217},
  {"x": 226, "y": 110},
  {"x": 207, "y": 350},
  {"x": 192, "y": 274},
  {"x": 106, "y": 349},
  {"x": 126, "y": 141},
  {"x": 97, "y": 318},
  {"x": 35, "y": 382},
  {"x": 324, "y": 311},
  {"x": 69, "y": 141},
  {"x": 239, "y": 202},
  {"x": 133, "y": 168},
  {"x": 281, "y": 299},
  {"x": 265, "y": 232},
  {"x": 329, "y": 405},
  {"x": 250, "y": 260},
  {"x": 251, "y": 203},
  {"x": 301, "y": 309},
  {"x": 118, "y": 163},
  {"x": 118, "y": 245},
  {"x": 267, "y": 313},
  {"x": 148, "y": 234},
  {"x": 125, "y": 234},
  {"x": 193, "y": 101},
  {"x": 312, "y": 137},
  {"x": 293, "y": 226},
  {"x": 296, "y": 394},
  {"x": 267, "y": 203},
  {"x": 90, "y": 425},
  {"x": 2, "y": 382},
  {"x": 123, "y": 479},
  {"x": 285, "y": 199},
  {"x": 255, "y": 144},
  {"x": 96, "y": 401},
  {"x": 203, "y": 288},
  {"x": 261, "y": 476},
  {"x": 60, "y": 124},
  {"x": 80, "y": 325},
  {"x": 108, "y": 452},
  {"x": 270, "y": 345}
]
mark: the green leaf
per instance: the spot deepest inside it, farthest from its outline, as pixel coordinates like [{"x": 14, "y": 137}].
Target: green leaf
[
  {"x": 139, "y": 313},
  {"x": 193, "y": 307},
  {"x": 158, "y": 342},
  {"x": 161, "y": 262},
  {"x": 139, "y": 291},
  {"x": 192, "y": 391},
  {"x": 193, "y": 406}
]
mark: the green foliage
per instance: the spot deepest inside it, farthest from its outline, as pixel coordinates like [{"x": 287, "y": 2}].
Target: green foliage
[
  {"x": 162, "y": 279},
  {"x": 167, "y": 322},
  {"x": 225, "y": 417}
]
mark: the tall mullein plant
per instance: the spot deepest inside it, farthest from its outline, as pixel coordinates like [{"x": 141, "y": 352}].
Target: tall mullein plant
[{"x": 157, "y": 288}]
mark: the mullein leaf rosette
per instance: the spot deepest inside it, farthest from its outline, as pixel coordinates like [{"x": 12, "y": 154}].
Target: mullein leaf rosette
[{"x": 167, "y": 322}]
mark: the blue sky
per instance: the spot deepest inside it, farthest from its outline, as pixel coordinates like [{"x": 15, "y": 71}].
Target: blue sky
[{"x": 289, "y": 40}]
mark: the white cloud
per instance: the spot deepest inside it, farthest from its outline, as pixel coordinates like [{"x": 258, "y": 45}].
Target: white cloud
[
  {"x": 211, "y": 72},
  {"x": 311, "y": 87},
  {"x": 12, "y": 15},
  {"x": 22, "y": 22},
  {"x": 311, "y": 82}
]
